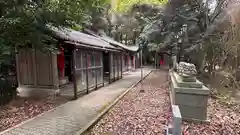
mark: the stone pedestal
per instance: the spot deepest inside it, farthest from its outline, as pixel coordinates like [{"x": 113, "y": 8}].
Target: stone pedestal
[
  {"x": 191, "y": 96},
  {"x": 63, "y": 81},
  {"x": 27, "y": 92}
]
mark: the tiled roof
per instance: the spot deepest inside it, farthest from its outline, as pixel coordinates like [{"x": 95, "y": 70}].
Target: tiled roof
[
  {"x": 81, "y": 38},
  {"x": 113, "y": 42}
]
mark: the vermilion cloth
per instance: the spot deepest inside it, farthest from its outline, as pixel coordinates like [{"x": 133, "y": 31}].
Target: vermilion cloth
[
  {"x": 61, "y": 59},
  {"x": 161, "y": 62}
]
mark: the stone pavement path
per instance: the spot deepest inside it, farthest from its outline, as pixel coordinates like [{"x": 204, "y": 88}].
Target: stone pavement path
[{"x": 69, "y": 118}]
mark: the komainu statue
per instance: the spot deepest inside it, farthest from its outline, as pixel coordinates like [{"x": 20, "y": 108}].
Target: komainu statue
[{"x": 186, "y": 69}]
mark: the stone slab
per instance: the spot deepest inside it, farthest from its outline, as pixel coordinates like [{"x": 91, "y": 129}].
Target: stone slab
[
  {"x": 36, "y": 92},
  {"x": 197, "y": 121},
  {"x": 177, "y": 120},
  {"x": 198, "y": 113},
  {"x": 188, "y": 78},
  {"x": 181, "y": 83},
  {"x": 63, "y": 81},
  {"x": 176, "y": 112},
  {"x": 191, "y": 100},
  {"x": 200, "y": 91},
  {"x": 169, "y": 130}
]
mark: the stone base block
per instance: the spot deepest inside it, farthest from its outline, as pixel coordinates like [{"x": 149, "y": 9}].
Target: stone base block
[
  {"x": 207, "y": 121},
  {"x": 192, "y": 101},
  {"x": 188, "y": 84},
  {"x": 37, "y": 92},
  {"x": 64, "y": 81},
  {"x": 199, "y": 113},
  {"x": 189, "y": 79}
]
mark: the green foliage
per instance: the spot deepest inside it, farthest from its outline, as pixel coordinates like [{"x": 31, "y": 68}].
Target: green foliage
[
  {"x": 167, "y": 31},
  {"x": 126, "y": 5},
  {"x": 8, "y": 80},
  {"x": 24, "y": 24}
]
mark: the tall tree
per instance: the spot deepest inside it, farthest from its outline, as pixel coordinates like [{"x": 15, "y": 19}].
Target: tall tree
[
  {"x": 24, "y": 23},
  {"x": 201, "y": 20}
]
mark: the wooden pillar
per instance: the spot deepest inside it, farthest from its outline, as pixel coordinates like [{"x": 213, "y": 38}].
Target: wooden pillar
[
  {"x": 96, "y": 69},
  {"x": 74, "y": 73},
  {"x": 87, "y": 63},
  {"x": 109, "y": 65},
  {"x": 129, "y": 62},
  {"x": 102, "y": 67},
  {"x": 55, "y": 71},
  {"x": 121, "y": 64},
  {"x": 134, "y": 64},
  {"x": 155, "y": 60},
  {"x": 35, "y": 69},
  {"x": 18, "y": 68},
  {"x": 114, "y": 65}
]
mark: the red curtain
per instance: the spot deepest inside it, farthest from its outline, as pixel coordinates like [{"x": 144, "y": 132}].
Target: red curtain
[
  {"x": 61, "y": 64},
  {"x": 161, "y": 62}
]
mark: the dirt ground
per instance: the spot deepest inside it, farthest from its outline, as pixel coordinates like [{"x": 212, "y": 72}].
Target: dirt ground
[
  {"x": 223, "y": 110},
  {"x": 224, "y": 120},
  {"x": 149, "y": 112}
]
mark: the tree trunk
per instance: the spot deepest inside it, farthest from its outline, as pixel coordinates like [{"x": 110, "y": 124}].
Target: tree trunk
[
  {"x": 121, "y": 38},
  {"x": 126, "y": 40}
]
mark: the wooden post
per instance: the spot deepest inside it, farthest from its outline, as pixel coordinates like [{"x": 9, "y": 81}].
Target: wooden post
[
  {"x": 96, "y": 69},
  {"x": 114, "y": 69},
  {"x": 101, "y": 60},
  {"x": 155, "y": 60},
  {"x": 121, "y": 59},
  {"x": 134, "y": 62},
  {"x": 35, "y": 67},
  {"x": 87, "y": 71},
  {"x": 118, "y": 65},
  {"x": 74, "y": 73},
  {"x": 18, "y": 67},
  {"x": 109, "y": 65},
  {"x": 55, "y": 70},
  {"x": 141, "y": 89}
]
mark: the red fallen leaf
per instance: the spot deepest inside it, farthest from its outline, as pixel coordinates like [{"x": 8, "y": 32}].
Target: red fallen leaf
[
  {"x": 25, "y": 109},
  {"x": 140, "y": 113}
]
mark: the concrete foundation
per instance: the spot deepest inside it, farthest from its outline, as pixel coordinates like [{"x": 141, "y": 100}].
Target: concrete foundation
[
  {"x": 63, "y": 81},
  {"x": 36, "y": 92},
  {"x": 191, "y": 96}
]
